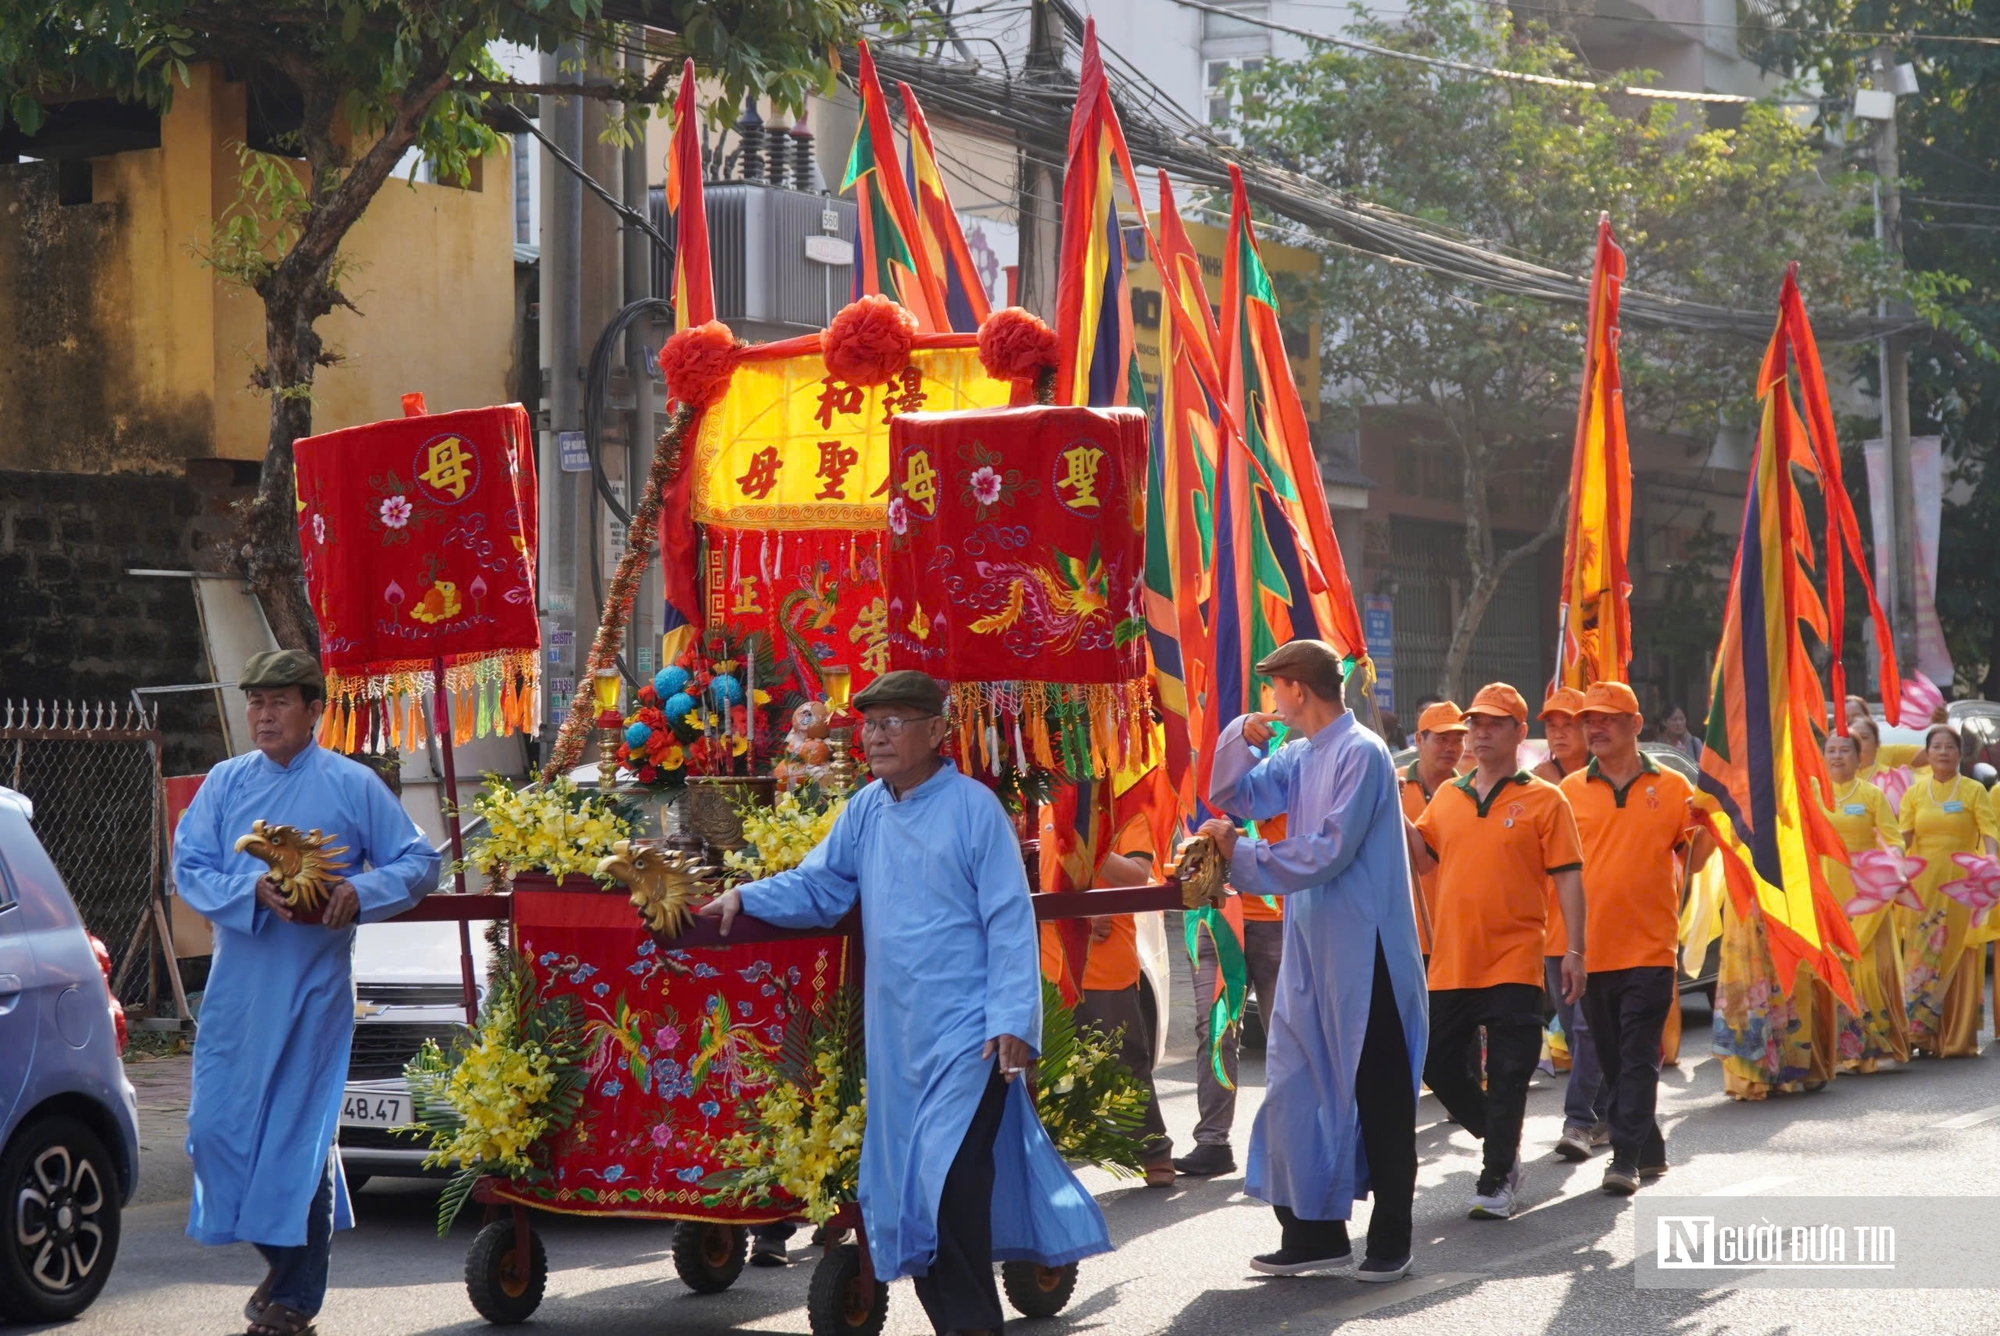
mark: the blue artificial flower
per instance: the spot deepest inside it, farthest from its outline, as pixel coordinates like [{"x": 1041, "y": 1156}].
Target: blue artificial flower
[
  {"x": 610, "y": 1089},
  {"x": 636, "y": 734},
  {"x": 724, "y": 689},
  {"x": 670, "y": 679},
  {"x": 677, "y": 706}
]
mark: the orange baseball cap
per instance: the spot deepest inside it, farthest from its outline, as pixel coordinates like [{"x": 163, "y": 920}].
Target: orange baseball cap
[
  {"x": 1499, "y": 699},
  {"x": 1609, "y": 698},
  {"x": 1563, "y": 700},
  {"x": 1442, "y": 717}
]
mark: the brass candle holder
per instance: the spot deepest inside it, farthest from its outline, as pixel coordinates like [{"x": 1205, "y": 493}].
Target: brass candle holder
[{"x": 604, "y": 684}]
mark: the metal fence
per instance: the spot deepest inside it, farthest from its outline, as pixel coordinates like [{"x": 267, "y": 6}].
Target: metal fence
[{"x": 92, "y": 769}]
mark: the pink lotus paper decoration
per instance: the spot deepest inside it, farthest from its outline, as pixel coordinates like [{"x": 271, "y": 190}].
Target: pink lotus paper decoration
[
  {"x": 1894, "y": 784},
  {"x": 1882, "y": 878},
  {"x": 1920, "y": 701},
  {"x": 1981, "y": 885}
]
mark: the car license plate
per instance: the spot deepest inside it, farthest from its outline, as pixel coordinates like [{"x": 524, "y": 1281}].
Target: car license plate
[{"x": 368, "y": 1108}]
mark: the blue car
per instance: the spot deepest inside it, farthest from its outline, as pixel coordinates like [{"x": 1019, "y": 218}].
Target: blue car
[{"x": 69, "y": 1122}]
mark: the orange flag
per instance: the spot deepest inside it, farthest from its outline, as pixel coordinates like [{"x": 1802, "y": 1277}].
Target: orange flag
[{"x": 1596, "y": 617}]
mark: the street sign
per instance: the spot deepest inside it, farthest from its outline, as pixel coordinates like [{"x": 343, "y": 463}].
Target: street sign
[
  {"x": 1378, "y": 624},
  {"x": 572, "y": 456}
]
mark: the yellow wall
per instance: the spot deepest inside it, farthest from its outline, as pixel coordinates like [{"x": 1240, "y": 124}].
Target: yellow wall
[{"x": 154, "y": 364}]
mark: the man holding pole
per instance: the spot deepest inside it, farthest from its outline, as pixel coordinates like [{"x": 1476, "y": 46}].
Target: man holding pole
[
  {"x": 1347, "y": 1031},
  {"x": 1633, "y": 816},
  {"x": 1496, "y": 838},
  {"x": 278, "y": 1016},
  {"x": 955, "y": 1166}
]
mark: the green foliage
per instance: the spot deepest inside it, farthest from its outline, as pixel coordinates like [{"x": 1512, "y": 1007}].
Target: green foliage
[
  {"x": 1089, "y": 1102},
  {"x": 519, "y": 1017}
]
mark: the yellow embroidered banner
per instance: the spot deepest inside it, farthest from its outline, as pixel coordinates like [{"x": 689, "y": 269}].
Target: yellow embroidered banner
[{"x": 790, "y": 447}]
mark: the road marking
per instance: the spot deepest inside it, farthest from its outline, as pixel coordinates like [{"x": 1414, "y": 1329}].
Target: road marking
[
  {"x": 1401, "y": 1291},
  {"x": 1750, "y": 1187},
  {"x": 1973, "y": 1119}
]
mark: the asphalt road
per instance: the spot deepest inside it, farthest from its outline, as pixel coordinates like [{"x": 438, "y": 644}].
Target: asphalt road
[{"x": 1563, "y": 1266}]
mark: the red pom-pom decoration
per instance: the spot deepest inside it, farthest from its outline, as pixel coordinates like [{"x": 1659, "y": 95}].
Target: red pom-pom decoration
[
  {"x": 1015, "y": 345},
  {"x": 869, "y": 341},
  {"x": 697, "y": 363}
]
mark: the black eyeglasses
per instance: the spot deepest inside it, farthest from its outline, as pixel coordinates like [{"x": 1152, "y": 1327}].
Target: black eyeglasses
[{"x": 894, "y": 725}]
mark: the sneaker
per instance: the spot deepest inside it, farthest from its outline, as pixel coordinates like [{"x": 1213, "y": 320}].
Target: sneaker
[
  {"x": 1600, "y": 1135},
  {"x": 1206, "y": 1161},
  {"x": 1498, "y": 1203},
  {"x": 1294, "y": 1262},
  {"x": 1574, "y": 1144},
  {"x": 769, "y": 1253},
  {"x": 1160, "y": 1171},
  {"x": 1621, "y": 1176},
  {"x": 1378, "y": 1270}
]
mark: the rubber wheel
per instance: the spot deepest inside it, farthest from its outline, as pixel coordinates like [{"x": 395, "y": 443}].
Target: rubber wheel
[
  {"x": 59, "y": 1232},
  {"x": 842, "y": 1301},
  {"x": 494, "y": 1280},
  {"x": 1038, "y": 1291},
  {"x": 709, "y": 1257}
]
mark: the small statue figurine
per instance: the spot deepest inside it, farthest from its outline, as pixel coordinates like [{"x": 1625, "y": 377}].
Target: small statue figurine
[{"x": 806, "y": 751}]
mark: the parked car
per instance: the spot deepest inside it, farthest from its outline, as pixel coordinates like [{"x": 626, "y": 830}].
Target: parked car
[
  {"x": 1978, "y": 725},
  {"x": 69, "y": 1121},
  {"x": 408, "y": 988}
]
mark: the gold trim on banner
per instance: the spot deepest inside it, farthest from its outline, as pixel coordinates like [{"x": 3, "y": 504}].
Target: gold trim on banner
[{"x": 778, "y": 404}]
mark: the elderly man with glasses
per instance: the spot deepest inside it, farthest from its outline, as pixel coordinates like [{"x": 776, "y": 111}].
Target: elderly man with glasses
[{"x": 955, "y": 1166}]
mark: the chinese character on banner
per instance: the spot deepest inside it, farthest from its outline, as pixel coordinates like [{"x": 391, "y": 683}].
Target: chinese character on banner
[
  {"x": 789, "y": 447},
  {"x": 822, "y": 605}
]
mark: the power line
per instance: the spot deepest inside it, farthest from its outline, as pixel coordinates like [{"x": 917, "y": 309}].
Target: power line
[{"x": 1868, "y": 38}]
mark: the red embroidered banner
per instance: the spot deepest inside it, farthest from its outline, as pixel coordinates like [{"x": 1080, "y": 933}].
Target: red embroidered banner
[
  {"x": 673, "y": 1037},
  {"x": 816, "y": 592},
  {"x": 418, "y": 536},
  {"x": 1016, "y": 554}
]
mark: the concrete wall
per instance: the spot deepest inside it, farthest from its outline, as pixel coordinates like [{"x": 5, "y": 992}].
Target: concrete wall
[{"x": 131, "y": 355}]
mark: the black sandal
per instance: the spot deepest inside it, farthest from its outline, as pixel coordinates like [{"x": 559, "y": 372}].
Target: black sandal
[
  {"x": 260, "y": 1296},
  {"x": 279, "y": 1320}
]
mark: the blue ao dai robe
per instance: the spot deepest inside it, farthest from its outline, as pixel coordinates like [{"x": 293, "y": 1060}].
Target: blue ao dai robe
[
  {"x": 1344, "y": 871},
  {"x": 278, "y": 1015},
  {"x": 953, "y": 960}
]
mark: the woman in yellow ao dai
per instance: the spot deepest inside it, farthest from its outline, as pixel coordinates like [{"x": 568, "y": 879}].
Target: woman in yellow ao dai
[
  {"x": 1861, "y": 815},
  {"x": 1944, "y": 950}
]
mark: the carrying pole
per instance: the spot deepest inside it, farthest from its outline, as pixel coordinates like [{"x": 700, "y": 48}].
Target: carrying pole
[{"x": 442, "y": 711}]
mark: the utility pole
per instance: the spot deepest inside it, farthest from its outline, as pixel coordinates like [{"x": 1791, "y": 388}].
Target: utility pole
[
  {"x": 644, "y": 624},
  {"x": 1895, "y": 371},
  {"x": 1040, "y": 193},
  {"x": 563, "y": 538}
]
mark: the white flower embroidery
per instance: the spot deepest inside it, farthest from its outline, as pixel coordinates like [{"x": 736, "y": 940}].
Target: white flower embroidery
[
  {"x": 396, "y": 511},
  {"x": 985, "y": 486},
  {"x": 899, "y": 515}
]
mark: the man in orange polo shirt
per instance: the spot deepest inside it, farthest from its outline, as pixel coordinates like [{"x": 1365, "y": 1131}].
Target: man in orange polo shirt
[
  {"x": 1583, "y": 1114},
  {"x": 1633, "y": 815},
  {"x": 1440, "y": 744},
  {"x": 1496, "y": 837}
]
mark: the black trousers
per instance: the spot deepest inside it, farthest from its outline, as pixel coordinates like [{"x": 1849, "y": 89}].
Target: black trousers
[
  {"x": 1628, "y": 1011},
  {"x": 1386, "y": 1098},
  {"x": 1119, "y": 1012},
  {"x": 1512, "y": 1015},
  {"x": 958, "y": 1292}
]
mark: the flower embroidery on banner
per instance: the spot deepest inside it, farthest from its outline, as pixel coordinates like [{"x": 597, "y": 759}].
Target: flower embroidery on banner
[
  {"x": 396, "y": 511},
  {"x": 985, "y": 485},
  {"x": 899, "y": 516},
  {"x": 989, "y": 482},
  {"x": 319, "y": 529}
]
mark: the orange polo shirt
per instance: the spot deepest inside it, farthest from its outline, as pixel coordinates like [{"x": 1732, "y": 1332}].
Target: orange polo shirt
[
  {"x": 1631, "y": 881},
  {"x": 1258, "y": 908},
  {"x": 1415, "y": 800},
  {"x": 1494, "y": 861}
]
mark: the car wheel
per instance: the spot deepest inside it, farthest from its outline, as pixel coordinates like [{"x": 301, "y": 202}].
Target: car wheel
[{"x": 61, "y": 1227}]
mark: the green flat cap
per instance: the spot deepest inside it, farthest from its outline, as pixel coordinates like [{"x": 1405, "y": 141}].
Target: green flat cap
[
  {"x": 281, "y": 668},
  {"x": 1313, "y": 663},
  {"x": 905, "y": 686}
]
